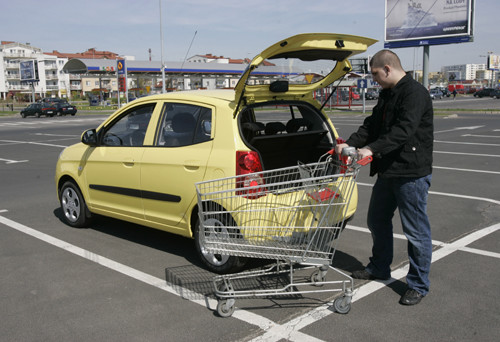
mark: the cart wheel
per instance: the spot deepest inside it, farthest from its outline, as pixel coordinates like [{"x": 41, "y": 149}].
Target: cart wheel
[
  {"x": 318, "y": 277},
  {"x": 225, "y": 307},
  {"x": 342, "y": 304},
  {"x": 223, "y": 287}
]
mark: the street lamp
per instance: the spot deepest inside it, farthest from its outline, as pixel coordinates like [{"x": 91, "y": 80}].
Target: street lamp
[{"x": 492, "y": 71}]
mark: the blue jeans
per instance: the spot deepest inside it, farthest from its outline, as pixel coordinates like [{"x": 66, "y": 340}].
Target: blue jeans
[{"x": 409, "y": 195}]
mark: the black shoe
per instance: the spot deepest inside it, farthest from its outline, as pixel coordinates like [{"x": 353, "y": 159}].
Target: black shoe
[
  {"x": 365, "y": 275},
  {"x": 411, "y": 297}
]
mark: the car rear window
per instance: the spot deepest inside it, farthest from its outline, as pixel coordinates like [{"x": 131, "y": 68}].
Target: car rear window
[{"x": 278, "y": 118}]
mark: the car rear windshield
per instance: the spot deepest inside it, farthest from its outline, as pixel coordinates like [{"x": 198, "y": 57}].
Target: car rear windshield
[{"x": 286, "y": 133}]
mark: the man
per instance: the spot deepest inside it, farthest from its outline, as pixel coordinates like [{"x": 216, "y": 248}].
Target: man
[{"x": 399, "y": 135}]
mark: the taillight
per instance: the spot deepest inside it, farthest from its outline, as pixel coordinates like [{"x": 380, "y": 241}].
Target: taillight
[{"x": 251, "y": 184}]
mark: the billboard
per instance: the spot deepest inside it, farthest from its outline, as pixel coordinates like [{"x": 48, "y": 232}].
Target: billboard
[
  {"x": 28, "y": 71},
  {"x": 493, "y": 62},
  {"x": 428, "y": 22}
]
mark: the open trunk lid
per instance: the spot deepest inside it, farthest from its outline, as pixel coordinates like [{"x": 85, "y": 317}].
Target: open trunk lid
[{"x": 298, "y": 65}]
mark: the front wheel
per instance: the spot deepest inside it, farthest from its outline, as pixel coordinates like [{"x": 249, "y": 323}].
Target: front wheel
[
  {"x": 342, "y": 304},
  {"x": 73, "y": 205},
  {"x": 217, "y": 263}
]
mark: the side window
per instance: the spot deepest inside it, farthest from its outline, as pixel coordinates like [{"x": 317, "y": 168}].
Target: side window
[
  {"x": 183, "y": 125},
  {"x": 130, "y": 128}
]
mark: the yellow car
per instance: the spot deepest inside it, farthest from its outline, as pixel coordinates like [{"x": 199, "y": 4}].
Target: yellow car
[{"x": 141, "y": 164}]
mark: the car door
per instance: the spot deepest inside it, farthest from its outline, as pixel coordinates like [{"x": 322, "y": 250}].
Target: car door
[
  {"x": 178, "y": 160},
  {"x": 112, "y": 169}
]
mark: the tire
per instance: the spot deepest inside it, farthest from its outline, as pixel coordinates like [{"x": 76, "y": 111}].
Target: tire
[
  {"x": 225, "y": 307},
  {"x": 37, "y": 115},
  {"x": 75, "y": 211},
  {"x": 23, "y": 115},
  {"x": 217, "y": 263},
  {"x": 342, "y": 305}
]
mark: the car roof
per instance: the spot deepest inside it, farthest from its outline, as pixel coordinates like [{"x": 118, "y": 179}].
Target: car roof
[{"x": 193, "y": 95}]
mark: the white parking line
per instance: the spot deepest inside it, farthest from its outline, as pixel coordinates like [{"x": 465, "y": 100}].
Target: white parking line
[
  {"x": 31, "y": 143},
  {"x": 475, "y": 198},
  {"x": 276, "y": 333},
  {"x": 8, "y": 161},
  {"x": 464, "y": 143},
  {"x": 470, "y": 154},
  {"x": 273, "y": 331},
  {"x": 466, "y": 170},
  {"x": 481, "y": 136}
]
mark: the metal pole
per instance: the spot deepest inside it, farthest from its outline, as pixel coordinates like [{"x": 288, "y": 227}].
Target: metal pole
[
  {"x": 118, "y": 87},
  {"x": 162, "y": 66},
  {"x": 425, "y": 67}
]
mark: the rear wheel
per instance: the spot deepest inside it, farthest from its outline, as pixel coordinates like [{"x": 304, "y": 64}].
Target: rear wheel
[
  {"x": 73, "y": 205},
  {"x": 217, "y": 263},
  {"x": 37, "y": 115}
]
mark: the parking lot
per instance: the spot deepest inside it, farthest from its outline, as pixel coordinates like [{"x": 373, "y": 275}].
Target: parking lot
[{"x": 116, "y": 281}]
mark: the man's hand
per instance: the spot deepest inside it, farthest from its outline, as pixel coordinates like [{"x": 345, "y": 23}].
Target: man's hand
[
  {"x": 364, "y": 152},
  {"x": 339, "y": 148}
]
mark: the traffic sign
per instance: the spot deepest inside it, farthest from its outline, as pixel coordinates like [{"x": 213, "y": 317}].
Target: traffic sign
[{"x": 362, "y": 84}]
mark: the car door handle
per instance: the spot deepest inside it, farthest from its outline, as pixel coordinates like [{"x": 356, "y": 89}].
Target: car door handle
[
  {"x": 129, "y": 163},
  {"x": 192, "y": 165}
]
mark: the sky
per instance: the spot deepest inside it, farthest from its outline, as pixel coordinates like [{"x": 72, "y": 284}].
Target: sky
[{"x": 230, "y": 28}]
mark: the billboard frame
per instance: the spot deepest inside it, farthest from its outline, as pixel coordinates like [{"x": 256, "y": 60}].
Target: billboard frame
[
  {"x": 28, "y": 71},
  {"x": 429, "y": 37}
]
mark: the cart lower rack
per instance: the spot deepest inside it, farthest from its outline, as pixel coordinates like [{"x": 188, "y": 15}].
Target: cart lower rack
[{"x": 293, "y": 215}]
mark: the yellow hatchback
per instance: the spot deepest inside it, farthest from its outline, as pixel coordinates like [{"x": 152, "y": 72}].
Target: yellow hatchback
[{"x": 141, "y": 164}]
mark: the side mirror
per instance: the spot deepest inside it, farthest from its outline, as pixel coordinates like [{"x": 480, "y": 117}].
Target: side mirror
[{"x": 89, "y": 137}]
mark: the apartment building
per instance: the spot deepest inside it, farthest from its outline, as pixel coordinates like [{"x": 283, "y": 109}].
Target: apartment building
[
  {"x": 52, "y": 81},
  {"x": 466, "y": 72}
]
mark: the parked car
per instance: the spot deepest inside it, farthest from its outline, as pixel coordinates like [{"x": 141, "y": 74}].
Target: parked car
[
  {"x": 141, "y": 164},
  {"x": 445, "y": 91},
  {"x": 485, "y": 92},
  {"x": 39, "y": 108},
  {"x": 436, "y": 93},
  {"x": 372, "y": 95},
  {"x": 65, "y": 108}
]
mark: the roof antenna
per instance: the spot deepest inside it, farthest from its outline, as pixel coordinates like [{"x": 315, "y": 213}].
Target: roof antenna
[{"x": 192, "y": 40}]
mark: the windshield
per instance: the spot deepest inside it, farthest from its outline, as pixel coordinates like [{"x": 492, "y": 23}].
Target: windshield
[{"x": 293, "y": 70}]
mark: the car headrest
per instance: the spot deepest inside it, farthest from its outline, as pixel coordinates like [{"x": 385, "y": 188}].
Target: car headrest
[{"x": 183, "y": 123}]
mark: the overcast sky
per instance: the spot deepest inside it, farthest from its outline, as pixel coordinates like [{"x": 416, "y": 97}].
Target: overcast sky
[{"x": 232, "y": 28}]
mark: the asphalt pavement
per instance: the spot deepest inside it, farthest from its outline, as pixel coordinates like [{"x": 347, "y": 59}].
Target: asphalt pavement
[{"x": 117, "y": 281}]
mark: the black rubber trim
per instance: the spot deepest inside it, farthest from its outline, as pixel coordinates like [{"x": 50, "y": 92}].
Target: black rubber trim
[{"x": 157, "y": 196}]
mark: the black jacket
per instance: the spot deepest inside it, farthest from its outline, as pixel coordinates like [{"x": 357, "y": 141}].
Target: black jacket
[{"x": 400, "y": 131}]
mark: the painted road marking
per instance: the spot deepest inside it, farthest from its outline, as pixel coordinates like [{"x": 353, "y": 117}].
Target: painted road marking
[
  {"x": 273, "y": 331},
  {"x": 8, "y": 161}
]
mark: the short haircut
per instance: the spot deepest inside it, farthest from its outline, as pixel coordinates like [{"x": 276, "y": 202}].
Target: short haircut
[{"x": 385, "y": 57}]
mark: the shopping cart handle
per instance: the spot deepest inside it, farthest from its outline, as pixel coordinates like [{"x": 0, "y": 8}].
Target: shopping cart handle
[{"x": 365, "y": 161}]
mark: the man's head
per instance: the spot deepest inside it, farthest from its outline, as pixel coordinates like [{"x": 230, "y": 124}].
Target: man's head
[{"x": 386, "y": 68}]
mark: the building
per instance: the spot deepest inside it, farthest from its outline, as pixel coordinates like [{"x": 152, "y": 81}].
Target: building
[
  {"x": 52, "y": 81},
  {"x": 466, "y": 72}
]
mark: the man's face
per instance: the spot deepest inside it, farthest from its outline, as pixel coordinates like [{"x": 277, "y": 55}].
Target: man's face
[{"x": 380, "y": 75}]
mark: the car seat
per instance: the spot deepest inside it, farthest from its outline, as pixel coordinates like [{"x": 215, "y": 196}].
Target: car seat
[{"x": 183, "y": 127}]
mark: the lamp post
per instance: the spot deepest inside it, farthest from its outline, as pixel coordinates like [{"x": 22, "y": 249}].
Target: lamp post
[
  {"x": 492, "y": 71},
  {"x": 162, "y": 66}
]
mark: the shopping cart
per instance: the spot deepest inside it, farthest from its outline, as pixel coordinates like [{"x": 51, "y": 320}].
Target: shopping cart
[{"x": 293, "y": 215}]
